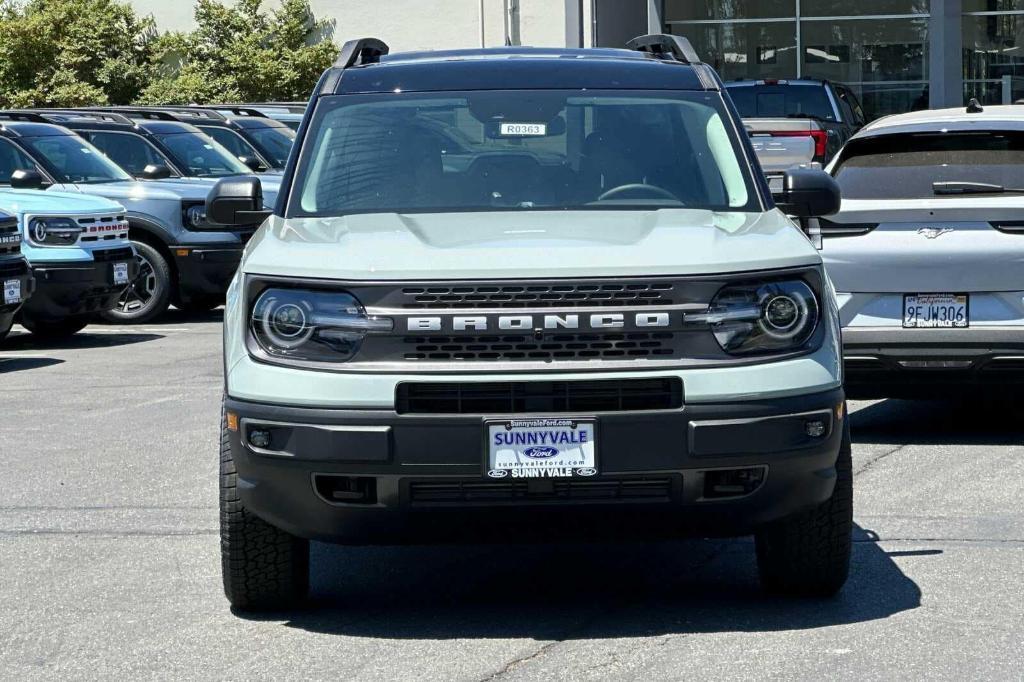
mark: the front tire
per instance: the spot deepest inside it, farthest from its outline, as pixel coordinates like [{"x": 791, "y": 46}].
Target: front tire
[
  {"x": 808, "y": 554},
  {"x": 149, "y": 294},
  {"x": 53, "y": 330},
  {"x": 264, "y": 568}
]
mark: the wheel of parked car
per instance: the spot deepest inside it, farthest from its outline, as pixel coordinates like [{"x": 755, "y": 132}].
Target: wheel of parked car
[
  {"x": 149, "y": 293},
  {"x": 54, "y": 329},
  {"x": 263, "y": 567},
  {"x": 808, "y": 554}
]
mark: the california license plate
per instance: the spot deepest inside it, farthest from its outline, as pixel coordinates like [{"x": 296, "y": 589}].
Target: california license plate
[
  {"x": 936, "y": 310},
  {"x": 12, "y": 291},
  {"x": 120, "y": 273},
  {"x": 541, "y": 448}
]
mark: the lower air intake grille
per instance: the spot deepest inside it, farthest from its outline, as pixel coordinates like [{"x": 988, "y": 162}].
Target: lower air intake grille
[
  {"x": 555, "y": 347},
  {"x": 540, "y": 397},
  {"x": 646, "y": 489},
  {"x": 109, "y": 255}
]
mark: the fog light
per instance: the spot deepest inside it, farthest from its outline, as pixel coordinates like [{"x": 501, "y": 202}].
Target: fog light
[
  {"x": 815, "y": 428},
  {"x": 259, "y": 438}
]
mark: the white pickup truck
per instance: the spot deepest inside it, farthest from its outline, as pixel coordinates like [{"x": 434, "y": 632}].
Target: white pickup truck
[{"x": 783, "y": 143}]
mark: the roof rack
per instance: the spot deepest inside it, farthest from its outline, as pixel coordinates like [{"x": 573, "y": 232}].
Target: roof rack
[
  {"x": 663, "y": 46},
  {"x": 179, "y": 111},
  {"x": 234, "y": 109},
  {"x": 22, "y": 115},
  {"x": 291, "y": 107},
  {"x": 361, "y": 51},
  {"x": 137, "y": 112},
  {"x": 78, "y": 113}
]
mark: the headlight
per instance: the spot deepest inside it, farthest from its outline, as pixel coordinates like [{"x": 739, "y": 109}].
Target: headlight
[
  {"x": 193, "y": 216},
  {"x": 310, "y": 325},
  {"x": 772, "y": 317},
  {"x": 53, "y": 231}
]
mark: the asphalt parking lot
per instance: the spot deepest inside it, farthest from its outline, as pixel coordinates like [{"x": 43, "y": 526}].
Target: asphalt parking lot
[{"x": 109, "y": 561}]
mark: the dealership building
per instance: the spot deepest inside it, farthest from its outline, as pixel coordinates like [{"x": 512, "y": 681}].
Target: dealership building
[{"x": 897, "y": 55}]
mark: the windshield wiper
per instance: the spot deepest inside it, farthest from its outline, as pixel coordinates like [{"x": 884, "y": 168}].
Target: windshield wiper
[{"x": 948, "y": 188}]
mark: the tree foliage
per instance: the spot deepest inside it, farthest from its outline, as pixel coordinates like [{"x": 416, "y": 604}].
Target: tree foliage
[
  {"x": 72, "y": 52},
  {"x": 242, "y": 53},
  {"x": 81, "y": 52}
]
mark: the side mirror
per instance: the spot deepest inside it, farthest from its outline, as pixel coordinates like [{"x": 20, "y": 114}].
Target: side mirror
[
  {"x": 254, "y": 164},
  {"x": 154, "y": 171},
  {"x": 237, "y": 201},
  {"x": 24, "y": 178},
  {"x": 808, "y": 193}
]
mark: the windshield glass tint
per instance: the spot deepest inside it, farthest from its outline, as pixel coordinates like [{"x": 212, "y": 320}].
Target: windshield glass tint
[
  {"x": 201, "y": 156},
  {"x": 495, "y": 150},
  {"x": 75, "y": 160},
  {"x": 274, "y": 141},
  {"x": 905, "y": 166},
  {"x": 781, "y": 101}
]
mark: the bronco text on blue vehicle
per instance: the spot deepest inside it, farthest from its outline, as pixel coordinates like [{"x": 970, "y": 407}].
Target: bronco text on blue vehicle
[{"x": 529, "y": 292}]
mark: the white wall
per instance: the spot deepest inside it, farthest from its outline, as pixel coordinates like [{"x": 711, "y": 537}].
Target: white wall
[{"x": 406, "y": 24}]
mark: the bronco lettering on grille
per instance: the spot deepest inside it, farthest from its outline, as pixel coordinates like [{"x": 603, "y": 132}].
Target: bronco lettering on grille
[{"x": 479, "y": 323}]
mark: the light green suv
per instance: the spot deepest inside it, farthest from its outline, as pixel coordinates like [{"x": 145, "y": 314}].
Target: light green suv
[{"x": 529, "y": 293}]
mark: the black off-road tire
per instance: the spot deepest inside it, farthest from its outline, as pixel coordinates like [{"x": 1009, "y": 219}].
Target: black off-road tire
[
  {"x": 54, "y": 330},
  {"x": 808, "y": 554},
  {"x": 5, "y": 328},
  {"x": 149, "y": 294},
  {"x": 264, "y": 568}
]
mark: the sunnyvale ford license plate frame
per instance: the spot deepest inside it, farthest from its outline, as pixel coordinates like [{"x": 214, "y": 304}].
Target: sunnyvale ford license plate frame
[{"x": 531, "y": 448}]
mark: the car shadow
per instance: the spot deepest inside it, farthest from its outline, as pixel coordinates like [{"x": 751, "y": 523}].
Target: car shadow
[
  {"x": 970, "y": 420},
  {"x": 16, "y": 364},
  {"x": 82, "y": 340},
  {"x": 577, "y": 591}
]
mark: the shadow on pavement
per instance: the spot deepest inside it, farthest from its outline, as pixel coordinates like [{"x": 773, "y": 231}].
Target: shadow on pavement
[
  {"x": 578, "y": 591},
  {"x": 973, "y": 420},
  {"x": 81, "y": 340},
  {"x": 16, "y": 364}
]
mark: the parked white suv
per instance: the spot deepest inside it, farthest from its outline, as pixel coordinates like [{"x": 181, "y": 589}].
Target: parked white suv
[
  {"x": 507, "y": 298},
  {"x": 927, "y": 254}
]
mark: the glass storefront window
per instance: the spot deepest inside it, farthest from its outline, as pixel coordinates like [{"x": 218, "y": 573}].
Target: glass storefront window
[
  {"x": 882, "y": 99},
  {"x": 745, "y": 50},
  {"x": 703, "y": 10},
  {"x": 843, "y": 8},
  {"x": 993, "y": 50},
  {"x": 859, "y": 50},
  {"x": 993, "y": 5}
]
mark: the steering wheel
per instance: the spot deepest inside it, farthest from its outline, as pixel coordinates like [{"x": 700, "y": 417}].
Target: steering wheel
[{"x": 638, "y": 186}]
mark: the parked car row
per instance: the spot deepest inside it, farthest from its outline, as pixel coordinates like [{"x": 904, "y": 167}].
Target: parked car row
[{"x": 124, "y": 187}]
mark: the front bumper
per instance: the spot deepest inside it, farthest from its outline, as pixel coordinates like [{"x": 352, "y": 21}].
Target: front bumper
[
  {"x": 375, "y": 476},
  {"x": 205, "y": 271},
  {"x": 75, "y": 288},
  {"x": 897, "y": 362}
]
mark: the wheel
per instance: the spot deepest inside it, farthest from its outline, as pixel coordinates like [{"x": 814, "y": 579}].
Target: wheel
[
  {"x": 5, "y": 327},
  {"x": 808, "y": 554},
  {"x": 263, "y": 567},
  {"x": 200, "y": 304},
  {"x": 149, "y": 294},
  {"x": 54, "y": 329}
]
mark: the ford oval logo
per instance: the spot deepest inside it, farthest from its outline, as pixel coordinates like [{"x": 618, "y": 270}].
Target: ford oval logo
[
  {"x": 540, "y": 452},
  {"x": 586, "y": 471},
  {"x": 497, "y": 473}
]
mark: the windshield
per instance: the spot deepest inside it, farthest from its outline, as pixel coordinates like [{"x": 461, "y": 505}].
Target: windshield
[
  {"x": 905, "y": 166},
  {"x": 781, "y": 101},
  {"x": 201, "y": 156},
  {"x": 75, "y": 160},
  {"x": 274, "y": 141},
  {"x": 520, "y": 150}
]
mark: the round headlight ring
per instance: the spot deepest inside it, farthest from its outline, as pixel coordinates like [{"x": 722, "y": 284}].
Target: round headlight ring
[
  {"x": 285, "y": 324},
  {"x": 788, "y": 313}
]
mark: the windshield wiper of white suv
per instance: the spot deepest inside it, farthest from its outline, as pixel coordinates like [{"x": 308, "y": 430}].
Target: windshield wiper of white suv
[{"x": 947, "y": 188}]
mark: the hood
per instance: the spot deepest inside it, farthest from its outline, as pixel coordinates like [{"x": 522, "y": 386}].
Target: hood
[
  {"x": 54, "y": 202},
  {"x": 507, "y": 245},
  {"x": 129, "y": 191}
]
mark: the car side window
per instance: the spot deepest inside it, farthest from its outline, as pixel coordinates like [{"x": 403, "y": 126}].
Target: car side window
[
  {"x": 12, "y": 159},
  {"x": 851, "y": 104},
  {"x": 230, "y": 140},
  {"x": 129, "y": 151}
]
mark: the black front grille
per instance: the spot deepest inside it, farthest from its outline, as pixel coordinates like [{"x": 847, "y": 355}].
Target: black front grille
[
  {"x": 474, "y": 491},
  {"x": 555, "y": 347},
  {"x": 108, "y": 255},
  {"x": 539, "y": 397},
  {"x": 8, "y": 233},
  {"x": 566, "y": 295}
]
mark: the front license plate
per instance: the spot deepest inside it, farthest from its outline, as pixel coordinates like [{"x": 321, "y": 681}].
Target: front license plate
[
  {"x": 120, "y": 273},
  {"x": 541, "y": 448},
  {"x": 936, "y": 310},
  {"x": 12, "y": 291}
]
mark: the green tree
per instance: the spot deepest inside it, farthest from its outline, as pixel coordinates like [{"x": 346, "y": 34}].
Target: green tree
[
  {"x": 72, "y": 52},
  {"x": 242, "y": 53}
]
